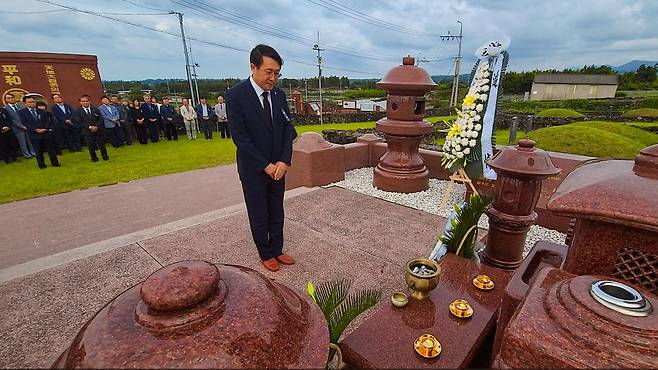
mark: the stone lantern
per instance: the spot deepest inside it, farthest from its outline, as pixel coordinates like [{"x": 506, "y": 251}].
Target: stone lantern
[
  {"x": 401, "y": 169},
  {"x": 520, "y": 171},
  {"x": 615, "y": 207},
  {"x": 194, "y": 314}
]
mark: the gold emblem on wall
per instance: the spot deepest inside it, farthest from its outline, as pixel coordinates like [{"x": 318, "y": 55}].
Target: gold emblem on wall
[
  {"x": 18, "y": 94},
  {"x": 87, "y": 73}
]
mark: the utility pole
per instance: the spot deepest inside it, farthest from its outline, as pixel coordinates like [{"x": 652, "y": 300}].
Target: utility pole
[
  {"x": 187, "y": 57},
  {"x": 305, "y": 89},
  {"x": 455, "y": 82},
  {"x": 196, "y": 84},
  {"x": 317, "y": 48}
]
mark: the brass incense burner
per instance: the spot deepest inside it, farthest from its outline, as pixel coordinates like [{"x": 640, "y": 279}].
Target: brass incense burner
[{"x": 421, "y": 276}]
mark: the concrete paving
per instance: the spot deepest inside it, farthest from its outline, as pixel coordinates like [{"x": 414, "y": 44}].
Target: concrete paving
[
  {"x": 44, "y": 226},
  {"x": 332, "y": 232}
]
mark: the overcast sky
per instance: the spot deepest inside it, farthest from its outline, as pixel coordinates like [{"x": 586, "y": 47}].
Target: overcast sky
[{"x": 542, "y": 34}]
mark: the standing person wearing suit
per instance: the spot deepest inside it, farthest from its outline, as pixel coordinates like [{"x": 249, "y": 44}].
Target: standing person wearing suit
[
  {"x": 167, "y": 113},
  {"x": 257, "y": 112},
  {"x": 204, "y": 114},
  {"x": 63, "y": 114},
  {"x": 89, "y": 118},
  {"x": 39, "y": 130},
  {"x": 20, "y": 131},
  {"x": 222, "y": 122},
  {"x": 8, "y": 142},
  {"x": 124, "y": 122},
  {"x": 151, "y": 117},
  {"x": 189, "y": 118},
  {"x": 138, "y": 121},
  {"x": 110, "y": 116}
]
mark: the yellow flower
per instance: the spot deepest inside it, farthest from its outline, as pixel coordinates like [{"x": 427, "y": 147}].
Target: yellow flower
[
  {"x": 454, "y": 130},
  {"x": 469, "y": 99}
]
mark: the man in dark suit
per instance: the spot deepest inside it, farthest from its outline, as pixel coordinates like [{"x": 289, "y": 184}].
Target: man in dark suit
[
  {"x": 39, "y": 130},
  {"x": 63, "y": 113},
  {"x": 8, "y": 142},
  {"x": 204, "y": 114},
  {"x": 257, "y": 113},
  {"x": 168, "y": 115},
  {"x": 151, "y": 118},
  {"x": 89, "y": 118}
]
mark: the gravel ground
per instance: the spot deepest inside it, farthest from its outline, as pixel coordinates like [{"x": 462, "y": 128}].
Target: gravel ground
[{"x": 360, "y": 180}]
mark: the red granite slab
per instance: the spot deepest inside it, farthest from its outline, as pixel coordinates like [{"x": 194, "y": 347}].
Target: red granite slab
[{"x": 386, "y": 339}]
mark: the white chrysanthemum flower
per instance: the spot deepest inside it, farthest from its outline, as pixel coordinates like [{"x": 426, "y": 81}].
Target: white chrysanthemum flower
[
  {"x": 479, "y": 108},
  {"x": 467, "y": 151},
  {"x": 472, "y": 143},
  {"x": 458, "y": 148},
  {"x": 485, "y": 88},
  {"x": 453, "y": 151},
  {"x": 477, "y": 118},
  {"x": 464, "y": 141},
  {"x": 471, "y": 113},
  {"x": 484, "y": 97},
  {"x": 470, "y": 126},
  {"x": 478, "y": 127},
  {"x": 460, "y": 155},
  {"x": 474, "y": 134}
]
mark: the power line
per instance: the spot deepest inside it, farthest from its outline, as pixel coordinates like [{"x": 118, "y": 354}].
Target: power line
[
  {"x": 144, "y": 6},
  {"x": 270, "y": 30},
  {"x": 34, "y": 12},
  {"x": 365, "y": 18},
  {"x": 206, "y": 42}
]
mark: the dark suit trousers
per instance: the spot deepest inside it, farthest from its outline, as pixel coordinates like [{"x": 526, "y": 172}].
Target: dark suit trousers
[
  {"x": 45, "y": 144},
  {"x": 222, "y": 127},
  {"x": 264, "y": 199},
  {"x": 95, "y": 141},
  {"x": 8, "y": 146},
  {"x": 206, "y": 128},
  {"x": 154, "y": 130},
  {"x": 72, "y": 137}
]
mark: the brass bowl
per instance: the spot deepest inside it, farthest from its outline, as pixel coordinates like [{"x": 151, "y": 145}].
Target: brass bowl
[
  {"x": 427, "y": 346},
  {"x": 421, "y": 285},
  {"x": 461, "y": 308},
  {"x": 399, "y": 299},
  {"x": 483, "y": 282}
]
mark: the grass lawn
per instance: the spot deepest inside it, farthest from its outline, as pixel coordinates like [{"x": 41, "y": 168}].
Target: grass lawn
[
  {"x": 642, "y": 112},
  {"x": 559, "y": 112},
  {"x": 23, "y": 179}
]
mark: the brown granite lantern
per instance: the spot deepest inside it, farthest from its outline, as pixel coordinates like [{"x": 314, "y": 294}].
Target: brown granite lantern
[
  {"x": 615, "y": 204},
  {"x": 569, "y": 321},
  {"x": 520, "y": 171},
  {"x": 194, "y": 314},
  {"x": 401, "y": 169}
]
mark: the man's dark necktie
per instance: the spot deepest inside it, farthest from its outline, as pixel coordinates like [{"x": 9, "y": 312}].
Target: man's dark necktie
[{"x": 267, "y": 110}]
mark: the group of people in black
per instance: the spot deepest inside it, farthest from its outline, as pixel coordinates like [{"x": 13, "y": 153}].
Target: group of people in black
[{"x": 33, "y": 130}]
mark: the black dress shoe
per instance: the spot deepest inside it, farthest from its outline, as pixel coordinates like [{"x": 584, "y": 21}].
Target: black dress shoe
[
  {"x": 106, "y": 158},
  {"x": 56, "y": 165},
  {"x": 42, "y": 167},
  {"x": 94, "y": 159}
]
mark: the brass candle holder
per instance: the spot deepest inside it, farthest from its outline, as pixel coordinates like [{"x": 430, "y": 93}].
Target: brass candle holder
[
  {"x": 483, "y": 282},
  {"x": 461, "y": 308},
  {"x": 427, "y": 346}
]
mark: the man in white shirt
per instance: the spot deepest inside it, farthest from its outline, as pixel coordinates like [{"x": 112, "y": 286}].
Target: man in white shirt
[
  {"x": 204, "y": 113},
  {"x": 189, "y": 117}
]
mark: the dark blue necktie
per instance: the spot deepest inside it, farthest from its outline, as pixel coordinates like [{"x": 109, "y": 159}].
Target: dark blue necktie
[{"x": 267, "y": 110}]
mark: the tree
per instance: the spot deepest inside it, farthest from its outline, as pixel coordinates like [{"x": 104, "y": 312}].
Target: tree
[{"x": 646, "y": 73}]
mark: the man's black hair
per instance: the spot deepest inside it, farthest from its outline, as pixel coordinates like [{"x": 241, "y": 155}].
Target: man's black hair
[
  {"x": 260, "y": 51},
  {"x": 55, "y": 94},
  {"x": 105, "y": 97},
  {"x": 25, "y": 97}
]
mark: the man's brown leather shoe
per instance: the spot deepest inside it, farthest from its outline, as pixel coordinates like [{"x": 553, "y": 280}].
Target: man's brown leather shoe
[
  {"x": 286, "y": 259},
  {"x": 271, "y": 264}
]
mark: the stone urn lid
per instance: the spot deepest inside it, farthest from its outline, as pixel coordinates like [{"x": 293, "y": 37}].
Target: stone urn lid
[
  {"x": 406, "y": 79},
  {"x": 617, "y": 191},
  {"x": 194, "y": 314},
  {"x": 523, "y": 160}
]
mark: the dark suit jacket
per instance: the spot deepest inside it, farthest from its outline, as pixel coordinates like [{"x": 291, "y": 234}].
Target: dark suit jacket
[
  {"x": 199, "y": 112},
  {"x": 32, "y": 123},
  {"x": 85, "y": 120},
  {"x": 60, "y": 116},
  {"x": 258, "y": 145}
]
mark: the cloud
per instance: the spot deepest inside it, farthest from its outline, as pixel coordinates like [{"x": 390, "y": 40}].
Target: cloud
[{"x": 552, "y": 34}]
